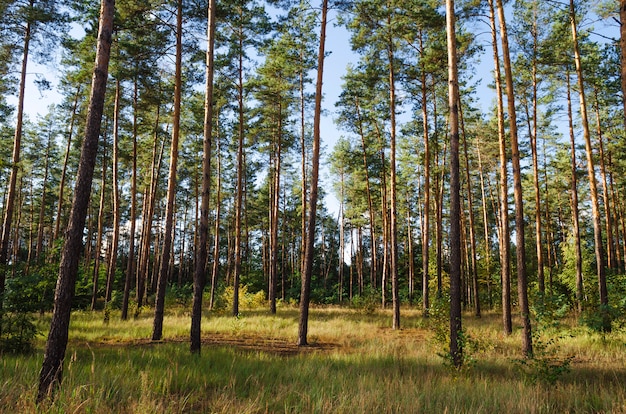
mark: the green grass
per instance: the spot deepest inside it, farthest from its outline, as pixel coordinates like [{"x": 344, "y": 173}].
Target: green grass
[{"x": 356, "y": 364}]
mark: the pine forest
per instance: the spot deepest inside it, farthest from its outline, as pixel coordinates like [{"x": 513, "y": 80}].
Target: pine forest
[{"x": 335, "y": 207}]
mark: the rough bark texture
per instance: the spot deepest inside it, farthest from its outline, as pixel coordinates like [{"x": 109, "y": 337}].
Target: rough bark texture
[
  {"x": 456, "y": 346},
  {"x": 52, "y": 367}
]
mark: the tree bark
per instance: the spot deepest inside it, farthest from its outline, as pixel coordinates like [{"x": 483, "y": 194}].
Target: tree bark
[
  {"x": 597, "y": 222},
  {"x": 522, "y": 283},
  {"x": 203, "y": 233},
  {"x": 456, "y": 344},
  {"x": 305, "y": 293},
  {"x": 116, "y": 199},
  {"x": 574, "y": 202},
  {"x": 164, "y": 269},
  {"x": 52, "y": 367},
  {"x": 505, "y": 235},
  {"x": 15, "y": 165}
]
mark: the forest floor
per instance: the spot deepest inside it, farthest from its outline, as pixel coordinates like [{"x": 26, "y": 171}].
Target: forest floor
[{"x": 355, "y": 363}]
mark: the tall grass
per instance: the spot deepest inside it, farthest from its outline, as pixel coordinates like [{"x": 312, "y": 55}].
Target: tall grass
[{"x": 356, "y": 364}]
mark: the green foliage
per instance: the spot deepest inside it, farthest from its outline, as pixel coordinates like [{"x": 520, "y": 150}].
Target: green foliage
[
  {"x": 547, "y": 364},
  {"x": 18, "y": 332},
  {"x": 224, "y": 299},
  {"x": 439, "y": 321},
  {"x": 179, "y": 295},
  {"x": 368, "y": 301}
]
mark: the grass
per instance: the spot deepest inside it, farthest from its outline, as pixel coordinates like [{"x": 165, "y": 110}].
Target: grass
[{"x": 356, "y": 364}]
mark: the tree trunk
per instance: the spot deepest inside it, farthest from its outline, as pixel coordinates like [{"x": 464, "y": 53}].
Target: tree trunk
[
  {"x": 305, "y": 293},
  {"x": 159, "y": 308},
  {"x": 505, "y": 235},
  {"x": 574, "y": 202},
  {"x": 522, "y": 283},
  {"x": 42, "y": 207},
  {"x": 9, "y": 203},
  {"x": 70, "y": 133},
  {"x": 203, "y": 233},
  {"x": 99, "y": 235},
  {"x": 472, "y": 230},
  {"x": 116, "y": 199},
  {"x": 52, "y": 367},
  {"x": 622, "y": 44},
  {"x": 132, "y": 260},
  {"x": 597, "y": 222},
  {"x": 426, "y": 223},
  {"x": 456, "y": 345},
  {"x": 393, "y": 226}
]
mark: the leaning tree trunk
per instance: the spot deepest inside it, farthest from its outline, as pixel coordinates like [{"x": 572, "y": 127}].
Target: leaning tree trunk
[
  {"x": 52, "y": 367},
  {"x": 305, "y": 292},
  {"x": 164, "y": 270}
]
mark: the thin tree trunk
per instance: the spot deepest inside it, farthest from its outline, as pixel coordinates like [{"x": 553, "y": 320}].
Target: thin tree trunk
[
  {"x": 42, "y": 207},
  {"x": 203, "y": 236},
  {"x": 52, "y": 367},
  {"x": 393, "y": 226},
  {"x": 522, "y": 283},
  {"x": 159, "y": 308},
  {"x": 9, "y": 204},
  {"x": 456, "y": 345},
  {"x": 305, "y": 294},
  {"x": 70, "y": 133},
  {"x": 99, "y": 235},
  {"x": 574, "y": 202},
  {"x": 116, "y": 199},
  {"x": 426, "y": 222},
  {"x": 132, "y": 260},
  {"x": 597, "y": 222},
  {"x": 505, "y": 235}
]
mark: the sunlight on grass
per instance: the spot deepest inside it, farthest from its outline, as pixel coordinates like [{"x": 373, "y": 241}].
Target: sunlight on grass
[{"x": 356, "y": 363}]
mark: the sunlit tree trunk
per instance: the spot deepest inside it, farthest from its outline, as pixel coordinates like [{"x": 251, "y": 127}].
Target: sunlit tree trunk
[
  {"x": 505, "y": 238},
  {"x": 522, "y": 283},
  {"x": 597, "y": 222},
  {"x": 393, "y": 225},
  {"x": 305, "y": 293},
  {"x": 9, "y": 203},
  {"x": 574, "y": 202},
  {"x": 456, "y": 346}
]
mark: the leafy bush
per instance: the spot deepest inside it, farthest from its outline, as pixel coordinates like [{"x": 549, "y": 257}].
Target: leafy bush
[
  {"x": 368, "y": 301},
  {"x": 224, "y": 299},
  {"x": 18, "y": 332},
  {"x": 545, "y": 365}
]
